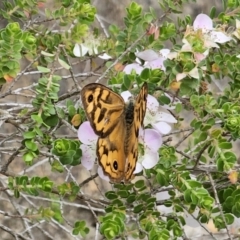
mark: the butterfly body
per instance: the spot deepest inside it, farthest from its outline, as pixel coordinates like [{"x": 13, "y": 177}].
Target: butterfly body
[{"x": 117, "y": 124}]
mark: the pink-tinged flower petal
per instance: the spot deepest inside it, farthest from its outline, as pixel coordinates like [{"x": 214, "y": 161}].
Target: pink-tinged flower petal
[
  {"x": 180, "y": 76},
  {"x": 141, "y": 135},
  {"x": 162, "y": 127},
  {"x": 172, "y": 55},
  {"x": 133, "y": 66},
  {"x": 157, "y": 64},
  {"x": 165, "y": 116},
  {"x": 203, "y": 21},
  {"x": 88, "y": 156},
  {"x": 152, "y": 108},
  {"x": 164, "y": 52},
  {"x": 102, "y": 175},
  {"x": 199, "y": 57},
  {"x": 86, "y": 134},
  {"x": 148, "y": 119},
  {"x": 209, "y": 43},
  {"x": 152, "y": 103},
  {"x": 194, "y": 73},
  {"x": 80, "y": 50},
  {"x": 138, "y": 168},
  {"x": 152, "y": 139},
  {"x": 171, "y": 106},
  {"x": 126, "y": 95},
  {"x": 150, "y": 159},
  {"x": 186, "y": 48},
  {"x": 220, "y": 37},
  {"x": 105, "y": 56},
  {"x": 147, "y": 55}
]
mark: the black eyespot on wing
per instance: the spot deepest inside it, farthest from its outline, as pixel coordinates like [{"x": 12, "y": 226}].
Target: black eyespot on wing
[
  {"x": 115, "y": 165},
  {"x": 90, "y": 98}
]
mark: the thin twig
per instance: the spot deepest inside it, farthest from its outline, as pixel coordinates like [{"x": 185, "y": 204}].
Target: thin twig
[
  {"x": 5, "y": 167},
  {"x": 219, "y": 204}
]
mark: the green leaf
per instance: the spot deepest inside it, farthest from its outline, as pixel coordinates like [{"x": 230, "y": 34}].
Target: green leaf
[
  {"x": 16, "y": 193},
  {"x": 236, "y": 209},
  {"x": 187, "y": 196},
  {"x": 227, "y": 193},
  {"x": 118, "y": 203},
  {"x": 127, "y": 81},
  {"x": 64, "y": 64},
  {"x": 229, "y": 218},
  {"x": 123, "y": 193},
  {"x": 131, "y": 198},
  {"x": 138, "y": 208},
  {"x": 31, "y": 145},
  {"x": 225, "y": 145},
  {"x": 207, "y": 202},
  {"x": 71, "y": 110},
  {"x": 29, "y": 135},
  {"x": 52, "y": 120},
  {"x": 139, "y": 184},
  {"x": 47, "y": 54},
  {"x": 145, "y": 74},
  {"x": 43, "y": 69},
  {"x": 111, "y": 195},
  {"x": 194, "y": 184},
  {"x": 28, "y": 157},
  {"x": 212, "y": 13},
  {"x": 220, "y": 164},
  {"x": 204, "y": 219},
  {"x": 161, "y": 179},
  {"x": 37, "y": 119},
  {"x": 67, "y": 158}
]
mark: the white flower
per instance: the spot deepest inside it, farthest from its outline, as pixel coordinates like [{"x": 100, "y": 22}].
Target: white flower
[
  {"x": 152, "y": 60},
  {"x": 158, "y": 117},
  {"x": 81, "y": 50},
  {"x": 88, "y": 138},
  {"x": 205, "y": 23},
  {"x": 152, "y": 141}
]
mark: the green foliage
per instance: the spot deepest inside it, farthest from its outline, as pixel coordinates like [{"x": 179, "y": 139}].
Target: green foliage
[
  {"x": 69, "y": 189},
  {"x": 30, "y": 186},
  {"x": 68, "y": 151},
  {"x": 13, "y": 42},
  {"x": 197, "y": 162},
  {"x": 112, "y": 224},
  {"x": 83, "y": 11},
  {"x": 168, "y": 157},
  {"x": 80, "y": 228},
  {"x": 47, "y": 90}
]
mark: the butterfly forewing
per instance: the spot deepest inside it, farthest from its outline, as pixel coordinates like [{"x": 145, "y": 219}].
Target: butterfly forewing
[
  {"x": 103, "y": 108},
  {"x": 132, "y": 139}
]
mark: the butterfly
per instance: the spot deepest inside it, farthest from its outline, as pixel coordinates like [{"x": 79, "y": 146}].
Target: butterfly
[{"x": 117, "y": 125}]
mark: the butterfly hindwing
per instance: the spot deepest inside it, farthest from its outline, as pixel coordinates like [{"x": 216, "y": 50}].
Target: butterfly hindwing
[{"x": 111, "y": 154}]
